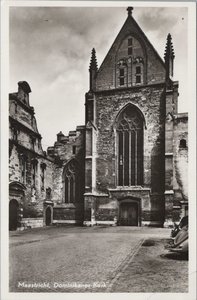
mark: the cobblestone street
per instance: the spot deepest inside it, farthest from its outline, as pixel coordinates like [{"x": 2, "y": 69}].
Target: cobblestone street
[{"x": 74, "y": 259}]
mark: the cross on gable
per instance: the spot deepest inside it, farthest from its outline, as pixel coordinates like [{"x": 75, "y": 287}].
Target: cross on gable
[{"x": 129, "y": 9}]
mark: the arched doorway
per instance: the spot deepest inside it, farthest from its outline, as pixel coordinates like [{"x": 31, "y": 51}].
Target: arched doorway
[
  {"x": 13, "y": 214},
  {"x": 129, "y": 212},
  {"x": 48, "y": 216}
]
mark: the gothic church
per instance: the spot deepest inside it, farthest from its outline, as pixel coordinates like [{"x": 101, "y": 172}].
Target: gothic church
[{"x": 126, "y": 166}]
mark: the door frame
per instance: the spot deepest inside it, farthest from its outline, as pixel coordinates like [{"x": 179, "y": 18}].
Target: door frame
[
  {"x": 129, "y": 200},
  {"x": 47, "y": 204},
  {"x": 17, "y": 191},
  {"x": 16, "y": 204}
]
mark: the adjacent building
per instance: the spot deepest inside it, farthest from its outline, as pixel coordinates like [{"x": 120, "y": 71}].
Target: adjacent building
[{"x": 126, "y": 166}]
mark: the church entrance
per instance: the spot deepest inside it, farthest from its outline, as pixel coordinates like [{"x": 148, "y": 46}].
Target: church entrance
[
  {"x": 128, "y": 214},
  {"x": 13, "y": 214},
  {"x": 48, "y": 216}
]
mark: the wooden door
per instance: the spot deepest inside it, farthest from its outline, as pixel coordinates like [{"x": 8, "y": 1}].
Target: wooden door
[{"x": 129, "y": 214}]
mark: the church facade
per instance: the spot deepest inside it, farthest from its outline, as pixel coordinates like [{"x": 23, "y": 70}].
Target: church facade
[{"x": 127, "y": 165}]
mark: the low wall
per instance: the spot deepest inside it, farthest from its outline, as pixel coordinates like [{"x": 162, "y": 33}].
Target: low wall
[{"x": 30, "y": 223}]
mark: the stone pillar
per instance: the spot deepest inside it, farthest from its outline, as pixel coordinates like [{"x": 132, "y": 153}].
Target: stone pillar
[{"x": 169, "y": 127}]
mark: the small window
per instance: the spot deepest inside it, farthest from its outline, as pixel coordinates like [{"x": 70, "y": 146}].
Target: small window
[
  {"x": 42, "y": 174},
  {"x": 138, "y": 70},
  {"x": 33, "y": 141},
  {"x": 138, "y": 79},
  {"x": 183, "y": 144},
  {"x": 23, "y": 162},
  {"x": 122, "y": 81},
  {"x": 74, "y": 149},
  {"x": 33, "y": 175},
  {"x": 130, "y": 51},
  {"x": 138, "y": 74},
  {"x": 34, "y": 163},
  {"x": 122, "y": 76},
  {"x": 130, "y": 45},
  {"x": 130, "y": 42},
  {"x": 121, "y": 72}
]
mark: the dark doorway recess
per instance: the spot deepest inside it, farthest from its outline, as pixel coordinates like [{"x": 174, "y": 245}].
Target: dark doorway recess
[
  {"x": 13, "y": 214},
  {"x": 129, "y": 214},
  {"x": 48, "y": 216}
]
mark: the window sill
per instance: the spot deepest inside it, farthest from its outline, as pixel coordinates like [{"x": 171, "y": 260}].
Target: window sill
[{"x": 129, "y": 188}]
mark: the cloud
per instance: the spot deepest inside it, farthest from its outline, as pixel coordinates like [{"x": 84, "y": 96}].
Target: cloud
[{"x": 50, "y": 48}]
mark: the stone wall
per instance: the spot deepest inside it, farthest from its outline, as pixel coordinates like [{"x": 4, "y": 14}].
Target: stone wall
[
  {"x": 110, "y": 98},
  {"x": 180, "y": 149},
  {"x": 151, "y": 103},
  {"x": 34, "y": 194},
  {"x": 28, "y": 223},
  {"x": 153, "y": 65},
  {"x": 66, "y": 149},
  {"x": 30, "y": 170}
]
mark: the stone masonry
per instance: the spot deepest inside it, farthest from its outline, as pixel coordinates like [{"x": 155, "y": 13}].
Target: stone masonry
[{"x": 126, "y": 166}]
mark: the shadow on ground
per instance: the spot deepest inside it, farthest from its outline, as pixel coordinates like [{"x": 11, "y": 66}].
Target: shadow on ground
[{"x": 175, "y": 256}]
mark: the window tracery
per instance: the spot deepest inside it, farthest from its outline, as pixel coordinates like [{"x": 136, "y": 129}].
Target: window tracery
[
  {"x": 130, "y": 148},
  {"x": 71, "y": 182}
]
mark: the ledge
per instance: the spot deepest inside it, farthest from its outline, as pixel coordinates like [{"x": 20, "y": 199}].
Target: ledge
[
  {"x": 23, "y": 148},
  {"x": 169, "y": 154},
  {"x": 129, "y": 188},
  {"x": 184, "y": 202},
  {"x": 64, "y": 205},
  {"x": 181, "y": 115},
  {"x": 170, "y": 192},
  {"x": 131, "y": 88},
  {"x": 65, "y": 222},
  {"x": 24, "y": 127},
  {"x": 96, "y": 195}
]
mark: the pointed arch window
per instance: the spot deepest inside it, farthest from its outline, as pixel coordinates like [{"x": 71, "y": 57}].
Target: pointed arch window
[
  {"x": 70, "y": 182},
  {"x": 130, "y": 148}
]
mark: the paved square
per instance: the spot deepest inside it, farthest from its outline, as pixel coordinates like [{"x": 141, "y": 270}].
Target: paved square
[{"x": 75, "y": 259}]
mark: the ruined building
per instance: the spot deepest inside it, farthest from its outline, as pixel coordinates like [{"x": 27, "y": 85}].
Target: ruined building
[{"x": 126, "y": 166}]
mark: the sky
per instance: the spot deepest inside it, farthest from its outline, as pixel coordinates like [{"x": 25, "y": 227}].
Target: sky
[{"x": 50, "y": 48}]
